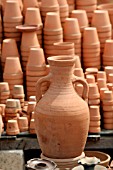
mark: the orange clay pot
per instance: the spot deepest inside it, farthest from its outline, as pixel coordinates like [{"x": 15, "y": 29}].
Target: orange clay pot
[{"x": 61, "y": 115}]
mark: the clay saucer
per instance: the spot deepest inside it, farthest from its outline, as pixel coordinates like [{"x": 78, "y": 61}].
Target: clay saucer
[{"x": 27, "y": 28}]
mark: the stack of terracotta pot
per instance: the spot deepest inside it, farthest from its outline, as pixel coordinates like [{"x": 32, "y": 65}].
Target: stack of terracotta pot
[
  {"x": 12, "y": 72},
  {"x": 36, "y": 68},
  {"x": 82, "y": 18},
  {"x": 33, "y": 17},
  {"x": 90, "y": 79},
  {"x": 72, "y": 33},
  {"x": 29, "y": 39},
  {"x": 18, "y": 93},
  {"x": 12, "y": 127},
  {"x": 107, "y": 107},
  {"x": 91, "y": 48},
  {"x": 48, "y": 6},
  {"x": 1, "y": 29},
  {"x": 63, "y": 10},
  {"x": 12, "y": 17},
  {"x": 63, "y": 48},
  {"x": 95, "y": 117},
  {"x": 93, "y": 95},
  {"x": 107, "y": 58},
  {"x": 108, "y": 70},
  {"x": 101, "y": 75},
  {"x": 29, "y": 4},
  {"x": 92, "y": 71},
  {"x": 71, "y": 4},
  {"x": 53, "y": 32},
  {"x": 101, "y": 21},
  {"x": 109, "y": 8},
  {"x": 88, "y": 6},
  {"x": 9, "y": 49},
  {"x": 4, "y": 92},
  {"x": 30, "y": 109},
  {"x": 11, "y": 110}
]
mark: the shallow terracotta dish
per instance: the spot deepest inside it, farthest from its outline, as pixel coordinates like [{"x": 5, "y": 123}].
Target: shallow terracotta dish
[{"x": 104, "y": 158}]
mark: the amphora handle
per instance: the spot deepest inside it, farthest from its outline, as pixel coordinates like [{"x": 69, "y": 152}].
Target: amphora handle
[
  {"x": 38, "y": 85},
  {"x": 76, "y": 80}
]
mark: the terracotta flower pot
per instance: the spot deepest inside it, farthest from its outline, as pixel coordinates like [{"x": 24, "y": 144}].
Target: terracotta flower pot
[
  {"x": 108, "y": 48},
  {"x": 12, "y": 12},
  {"x": 18, "y": 90},
  {"x": 90, "y": 36},
  {"x": 82, "y": 18},
  {"x": 47, "y": 3},
  {"x": 101, "y": 74},
  {"x": 29, "y": 39},
  {"x": 9, "y": 49},
  {"x": 71, "y": 27},
  {"x": 109, "y": 7},
  {"x": 52, "y": 22},
  {"x": 93, "y": 91},
  {"x": 16, "y": 69},
  {"x": 90, "y": 79},
  {"x": 63, "y": 65},
  {"x": 33, "y": 17},
  {"x": 110, "y": 78},
  {"x": 36, "y": 60},
  {"x": 4, "y": 87},
  {"x": 23, "y": 124},
  {"x": 12, "y": 127},
  {"x": 100, "y": 19},
  {"x": 28, "y": 3},
  {"x": 101, "y": 83}
]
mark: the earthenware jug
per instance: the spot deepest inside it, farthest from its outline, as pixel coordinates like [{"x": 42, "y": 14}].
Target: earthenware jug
[{"x": 61, "y": 115}]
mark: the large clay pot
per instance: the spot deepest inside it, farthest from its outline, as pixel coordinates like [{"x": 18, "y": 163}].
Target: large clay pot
[{"x": 61, "y": 116}]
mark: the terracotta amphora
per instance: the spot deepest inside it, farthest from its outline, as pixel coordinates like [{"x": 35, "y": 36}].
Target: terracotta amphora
[{"x": 61, "y": 115}]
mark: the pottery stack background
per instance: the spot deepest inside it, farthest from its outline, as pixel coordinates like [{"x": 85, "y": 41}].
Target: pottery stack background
[
  {"x": 11, "y": 18},
  {"x": 58, "y": 27}
]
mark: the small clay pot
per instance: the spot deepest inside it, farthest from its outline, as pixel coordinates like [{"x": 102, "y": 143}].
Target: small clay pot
[
  {"x": 32, "y": 98},
  {"x": 90, "y": 36},
  {"x": 82, "y": 18},
  {"x": 101, "y": 74},
  {"x": 107, "y": 95},
  {"x": 4, "y": 87},
  {"x": 12, "y": 12},
  {"x": 23, "y": 124},
  {"x": 93, "y": 91},
  {"x": 29, "y": 39},
  {"x": 11, "y": 103},
  {"x": 16, "y": 69},
  {"x": 108, "y": 49},
  {"x": 94, "y": 102},
  {"x": 18, "y": 90},
  {"x": 100, "y": 19},
  {"x": 9, "y": 48},
  {"x": 101, "y": 82},
  {"x": 12, "y": 127},
  {"x": 36, "y": 59},
  {"x": 33, "y": 17},
  {"x": 102, "y": 92},
  {"x": 52, "y": 22},
  {"x": 71, "y": 27},
  {"x": 90, "y": 79},
  {"x": 28, "y": 3}
]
